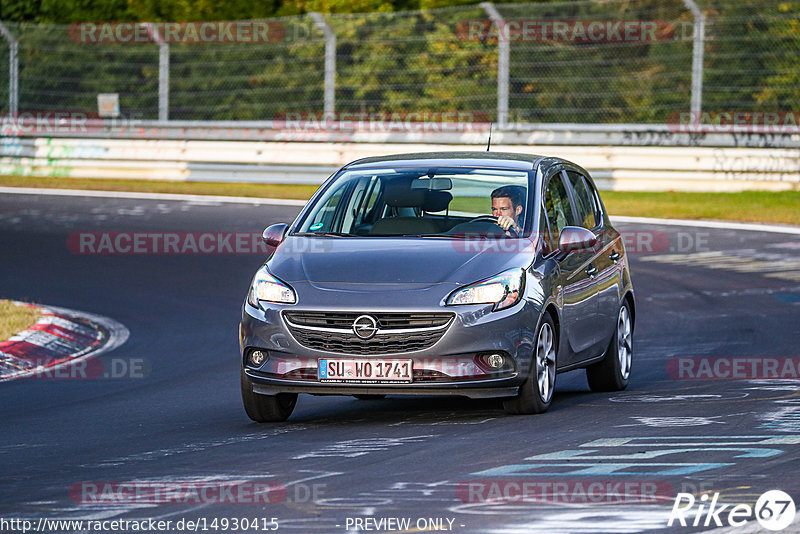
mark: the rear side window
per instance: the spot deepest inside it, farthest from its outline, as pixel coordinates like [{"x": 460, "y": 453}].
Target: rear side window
[
  {"x": 559, "y": 212},
  {"x": 585, "y": 205}
]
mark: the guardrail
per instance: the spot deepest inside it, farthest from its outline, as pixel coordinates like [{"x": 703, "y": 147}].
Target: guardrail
[
  {"x": 642, "y": 168},
  {"x": 361, "y": 128}
]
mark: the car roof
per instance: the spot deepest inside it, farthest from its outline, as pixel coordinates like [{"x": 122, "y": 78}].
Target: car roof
[{"x": 504, "y": 160}]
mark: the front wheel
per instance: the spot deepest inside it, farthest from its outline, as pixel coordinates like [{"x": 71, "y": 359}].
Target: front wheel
[
  {"x": 614, "y": 370},
  {"x": 266, "y": 408},
  {"x": 537, "y": 391}
]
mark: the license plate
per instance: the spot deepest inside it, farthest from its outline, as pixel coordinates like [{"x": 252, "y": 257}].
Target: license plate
[{"x": 362, "y": 371}]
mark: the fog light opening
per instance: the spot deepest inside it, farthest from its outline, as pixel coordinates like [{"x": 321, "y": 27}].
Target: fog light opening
[
  {"x": 495, "y": 361},
  {"x": 257, "y": 358}
]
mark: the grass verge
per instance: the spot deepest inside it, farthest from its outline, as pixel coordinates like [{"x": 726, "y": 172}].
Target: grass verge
[
  {"x": 301, "y": 192},
  {"x": 15, "y": 319},
  {"x": 747, "y": 206},
  {"x": 782, "y": 207}
]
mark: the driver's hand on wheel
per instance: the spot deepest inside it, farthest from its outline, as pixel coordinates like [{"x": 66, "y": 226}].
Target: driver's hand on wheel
[{"x": 505, "y": 222}]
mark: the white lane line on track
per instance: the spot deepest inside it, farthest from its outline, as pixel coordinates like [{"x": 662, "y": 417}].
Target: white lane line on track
[
  {"x": 726, "y": 225},
  {"x": 152, "y": 196},
  {"x": 118, "y": 333},
  {"x": 755, "y": 227}
]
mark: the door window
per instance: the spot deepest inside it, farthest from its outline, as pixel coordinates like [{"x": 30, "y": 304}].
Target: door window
[
  {"x": 585, "y": 206},
  {"x": 559, "y": 212}
]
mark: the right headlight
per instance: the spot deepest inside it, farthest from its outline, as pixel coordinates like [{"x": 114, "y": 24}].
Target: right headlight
[
  {"x": 267, "y": 288},
  {"x": 503, "y": 290}
]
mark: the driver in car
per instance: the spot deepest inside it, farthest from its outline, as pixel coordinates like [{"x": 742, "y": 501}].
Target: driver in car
[{"x": 507, "y": 206}]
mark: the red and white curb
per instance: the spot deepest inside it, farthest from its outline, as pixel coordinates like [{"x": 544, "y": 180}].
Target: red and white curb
[{"x": 59, "y": 338}]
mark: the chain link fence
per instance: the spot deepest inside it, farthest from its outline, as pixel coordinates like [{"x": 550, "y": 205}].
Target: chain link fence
[{"x": 615, "y": 61}]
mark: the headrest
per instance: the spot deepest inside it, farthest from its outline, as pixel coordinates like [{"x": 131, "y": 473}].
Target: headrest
[
  {"x": 398, "y": 193},
  {"x": 436, "y": 201}
]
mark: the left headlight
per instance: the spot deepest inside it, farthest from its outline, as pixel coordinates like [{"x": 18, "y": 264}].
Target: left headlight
[
  {"x": 503, "y": 290},
  {"x": 266, "y": 287}
]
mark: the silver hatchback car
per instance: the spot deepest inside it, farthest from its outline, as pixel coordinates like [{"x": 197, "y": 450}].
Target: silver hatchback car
[{"x": 479, "y": 274}]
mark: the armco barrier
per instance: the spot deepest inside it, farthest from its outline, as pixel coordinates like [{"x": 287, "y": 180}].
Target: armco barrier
[
  {"x": 463, "y": 133},
  {"x": 618, "y": 167}
]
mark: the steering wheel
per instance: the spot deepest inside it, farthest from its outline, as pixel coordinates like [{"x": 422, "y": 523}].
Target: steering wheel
[{"x": 493, "y": 220}]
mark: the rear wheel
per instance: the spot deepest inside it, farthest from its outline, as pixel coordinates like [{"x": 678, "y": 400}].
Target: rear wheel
[
  {"x": 614, "y": 370},
  {"x": 266, "y": 408},
  {"x": 369, "y": 397},
  {"x": 537, "y": 391}
]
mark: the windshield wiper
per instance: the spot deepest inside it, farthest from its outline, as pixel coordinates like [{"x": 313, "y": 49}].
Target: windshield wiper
[
  {"x": 323, "y": 234},
  {"x": 440, "y": 236},
  {"x": 426, "y": 236}
]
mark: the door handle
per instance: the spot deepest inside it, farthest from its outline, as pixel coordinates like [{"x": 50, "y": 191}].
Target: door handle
[
  {"x": 614, "y": 256},
  {"x": 591, "y": 271}
]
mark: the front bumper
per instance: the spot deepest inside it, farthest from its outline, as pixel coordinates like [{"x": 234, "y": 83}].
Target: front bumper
[
  {"x": 473, "y": 390},
  {"x": 451, "y": 366}
]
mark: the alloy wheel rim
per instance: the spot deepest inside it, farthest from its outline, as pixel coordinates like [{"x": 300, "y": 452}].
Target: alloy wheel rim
[
  {"x": 545, "y": 362},
  {"x": 624, "y": 342}
]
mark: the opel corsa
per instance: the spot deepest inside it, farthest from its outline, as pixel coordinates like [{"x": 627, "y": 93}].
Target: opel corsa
[{"x": 477, "y": 274}]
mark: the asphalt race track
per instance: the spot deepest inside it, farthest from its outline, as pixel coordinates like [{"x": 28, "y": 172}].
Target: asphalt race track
[{"x": 718, "y": 319}]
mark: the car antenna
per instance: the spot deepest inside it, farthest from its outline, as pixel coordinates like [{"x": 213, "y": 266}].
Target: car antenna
[{"x": 489, "y": 144}]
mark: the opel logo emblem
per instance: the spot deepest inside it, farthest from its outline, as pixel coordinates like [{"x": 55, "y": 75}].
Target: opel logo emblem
[{"x": 365, "y": 326}]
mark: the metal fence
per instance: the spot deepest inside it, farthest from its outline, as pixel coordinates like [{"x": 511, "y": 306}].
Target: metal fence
[{"x": 494, "y": 61}]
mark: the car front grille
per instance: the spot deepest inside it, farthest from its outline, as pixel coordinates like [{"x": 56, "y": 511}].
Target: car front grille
[{"x": 397, "y": 332}]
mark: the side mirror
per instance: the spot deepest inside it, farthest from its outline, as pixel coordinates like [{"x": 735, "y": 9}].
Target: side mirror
[
  {"x": 273, "y": 235},
  {"x": 575, "y": 238}
]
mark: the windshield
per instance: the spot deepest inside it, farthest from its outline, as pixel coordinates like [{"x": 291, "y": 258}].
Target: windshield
[{"x": 421, "y": 201}]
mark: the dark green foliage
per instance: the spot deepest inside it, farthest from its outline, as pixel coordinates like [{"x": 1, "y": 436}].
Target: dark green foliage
[{"x": 410, "y": 61}]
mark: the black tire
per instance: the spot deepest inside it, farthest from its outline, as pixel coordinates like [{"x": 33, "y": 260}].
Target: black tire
[
  {"x": 531, "y": 398},
  {"x": 266, "y": 408},
  {"x": 610, "y": 374},
  {"x": 369, "y": 397}
]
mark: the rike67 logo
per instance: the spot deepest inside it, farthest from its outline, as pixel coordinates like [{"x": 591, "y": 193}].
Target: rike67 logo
[{"x": 774, "y": 510}]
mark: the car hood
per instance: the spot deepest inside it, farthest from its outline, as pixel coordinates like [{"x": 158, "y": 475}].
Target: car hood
[{"x": 394, "y": 265}]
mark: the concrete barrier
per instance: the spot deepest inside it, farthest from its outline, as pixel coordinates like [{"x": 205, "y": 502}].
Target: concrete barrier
[{"x": 633, "y": 168}]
